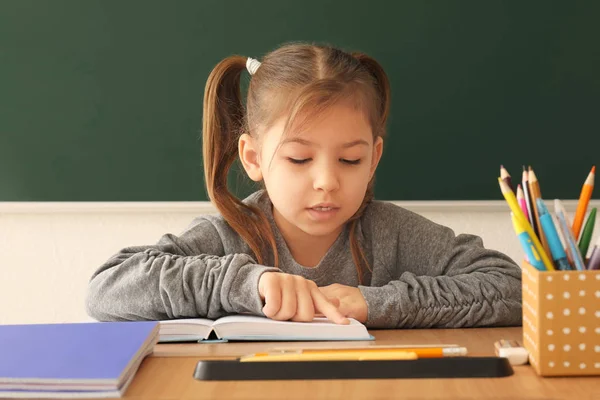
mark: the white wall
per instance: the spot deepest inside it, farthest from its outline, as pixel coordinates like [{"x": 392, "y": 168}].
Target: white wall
[{"x": 48, "y": 251}]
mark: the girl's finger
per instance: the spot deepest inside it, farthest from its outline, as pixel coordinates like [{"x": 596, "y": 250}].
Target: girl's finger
[
  {"x": 335, "y": 301},
  {"x": 272, "y": 298},
  {"x": 330, "y": 311},
  {"x": 305, "y": 309},
  {"x": 288, "y": 300}
]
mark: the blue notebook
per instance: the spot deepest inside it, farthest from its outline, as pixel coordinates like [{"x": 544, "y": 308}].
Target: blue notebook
[{"x": 72, "y": 360}]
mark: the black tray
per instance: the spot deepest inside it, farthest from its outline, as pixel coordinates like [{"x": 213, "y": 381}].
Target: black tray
[{"x": 449, "y": 367}]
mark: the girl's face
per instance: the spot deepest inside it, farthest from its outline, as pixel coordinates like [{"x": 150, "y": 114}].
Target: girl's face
[{"x": 316, "y": 179}]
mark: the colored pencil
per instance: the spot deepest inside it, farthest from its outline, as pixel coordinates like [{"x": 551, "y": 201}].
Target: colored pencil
[
  {"x": 421, "y": 352},
  {"x": 534, "y": 194},
  {"x": 506, "y": 177},
  {"x": 571, "y": 248},
  {"x": 531, "y": 254},
  {"x": 594, "y": 262},
  {"x": 511, "y": 200},
  {"x": 556, "y": 248},
  {"x": 525, "y": 208},
  {"x": 584, "y": 199},
  {"x": 586, "y": 234},
  {"x": 325, "y": 356},
  {"x": 525, "y": 186},
  {"x": 522, "y": 201}
]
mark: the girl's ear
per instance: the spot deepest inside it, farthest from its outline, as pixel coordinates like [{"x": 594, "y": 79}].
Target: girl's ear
[
  {"x": 250, "y": 157},
  {"x": 377, "y": 152}
]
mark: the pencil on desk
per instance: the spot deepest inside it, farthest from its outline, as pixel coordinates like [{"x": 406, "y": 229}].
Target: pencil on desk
[
  {"x": 421, "y": 351},
  {"x": 511, "y": 200},
  {"x": 327, "y": 356},
  {"x": 584, "y": 199},
  {"x": 535, "y": 193},
  {"x": 357, "y": 354}
]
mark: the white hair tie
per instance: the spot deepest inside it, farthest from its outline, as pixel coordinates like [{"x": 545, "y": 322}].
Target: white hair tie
[{"x": 252, "y": 65}]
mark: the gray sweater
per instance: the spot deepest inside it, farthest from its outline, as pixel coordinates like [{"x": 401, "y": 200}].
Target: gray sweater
[{"x": 423, "y": 275}]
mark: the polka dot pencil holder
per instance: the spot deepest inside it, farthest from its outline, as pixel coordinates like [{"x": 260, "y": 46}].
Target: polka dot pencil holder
[{"x": 561, "y": 321}]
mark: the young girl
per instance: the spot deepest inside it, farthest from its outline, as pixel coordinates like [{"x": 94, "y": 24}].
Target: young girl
[{"x": 313, "y": 241}]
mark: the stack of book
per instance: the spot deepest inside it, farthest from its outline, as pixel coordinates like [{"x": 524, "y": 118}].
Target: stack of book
[{"x": 73, "y": 360}]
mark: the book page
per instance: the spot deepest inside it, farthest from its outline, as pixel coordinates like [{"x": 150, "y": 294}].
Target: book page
[
  {"x": 246, "y": 327},
  {"x": 185, "y": 329},
  {"x": 186, "y": 321}
]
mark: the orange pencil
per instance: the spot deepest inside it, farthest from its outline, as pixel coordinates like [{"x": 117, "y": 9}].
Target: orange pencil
[
  {"x": 422, "y": 352},
  {"x": 584, "y": 200},
  {"x": 535, "y": 193},
  {"x": 356, "y": 354}
]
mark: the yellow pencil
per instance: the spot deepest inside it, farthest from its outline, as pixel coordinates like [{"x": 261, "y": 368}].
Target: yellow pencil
[
  {"x": 350, "y": 356},
  {"x": 510, "y": 198},
  {"x": 420, "y": 351}
]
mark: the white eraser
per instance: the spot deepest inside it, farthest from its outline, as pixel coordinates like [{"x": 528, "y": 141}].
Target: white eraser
[{"x": 516, "y": 354}]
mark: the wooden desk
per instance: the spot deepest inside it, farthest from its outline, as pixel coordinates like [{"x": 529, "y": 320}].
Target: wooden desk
[{"x": 168, "y": 374}]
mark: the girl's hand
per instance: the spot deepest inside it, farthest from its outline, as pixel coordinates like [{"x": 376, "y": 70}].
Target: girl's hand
[
  {"x": 291, "y": 297},
  {"x": 349, "y": 300}
]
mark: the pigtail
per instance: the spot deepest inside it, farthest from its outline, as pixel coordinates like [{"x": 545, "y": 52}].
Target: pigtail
[
  {"x": 223, "y": 123},
  {"x": 382, "y": 87}
]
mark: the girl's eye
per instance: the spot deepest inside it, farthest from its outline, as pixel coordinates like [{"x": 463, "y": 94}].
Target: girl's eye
[
  {"x": 298, "y": 161},
  {"x": 350, "y": 162}
]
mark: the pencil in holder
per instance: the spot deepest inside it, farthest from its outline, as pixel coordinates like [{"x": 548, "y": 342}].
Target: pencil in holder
[{"x": 561, "y": 321}]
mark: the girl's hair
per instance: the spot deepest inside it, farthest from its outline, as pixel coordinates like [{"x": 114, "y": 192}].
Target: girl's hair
[{"x": 298, "y": 80}]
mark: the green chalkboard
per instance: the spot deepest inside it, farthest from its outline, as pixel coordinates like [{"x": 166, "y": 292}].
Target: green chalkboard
[{"x": 102, "y": 100}]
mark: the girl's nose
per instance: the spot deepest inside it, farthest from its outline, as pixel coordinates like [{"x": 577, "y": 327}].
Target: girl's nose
[{"x": 326, "y": 179}]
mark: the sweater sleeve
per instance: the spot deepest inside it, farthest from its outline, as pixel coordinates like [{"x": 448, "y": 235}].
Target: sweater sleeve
[
  {"x": 445, "y": 281},
  {"x": 179, "y": 277}
]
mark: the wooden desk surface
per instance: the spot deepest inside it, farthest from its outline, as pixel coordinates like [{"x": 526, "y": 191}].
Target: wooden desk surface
[{"x": 168, "y": 374}]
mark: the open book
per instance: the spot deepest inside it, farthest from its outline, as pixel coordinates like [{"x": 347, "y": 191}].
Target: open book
[{"x": 246, "y": 327}]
